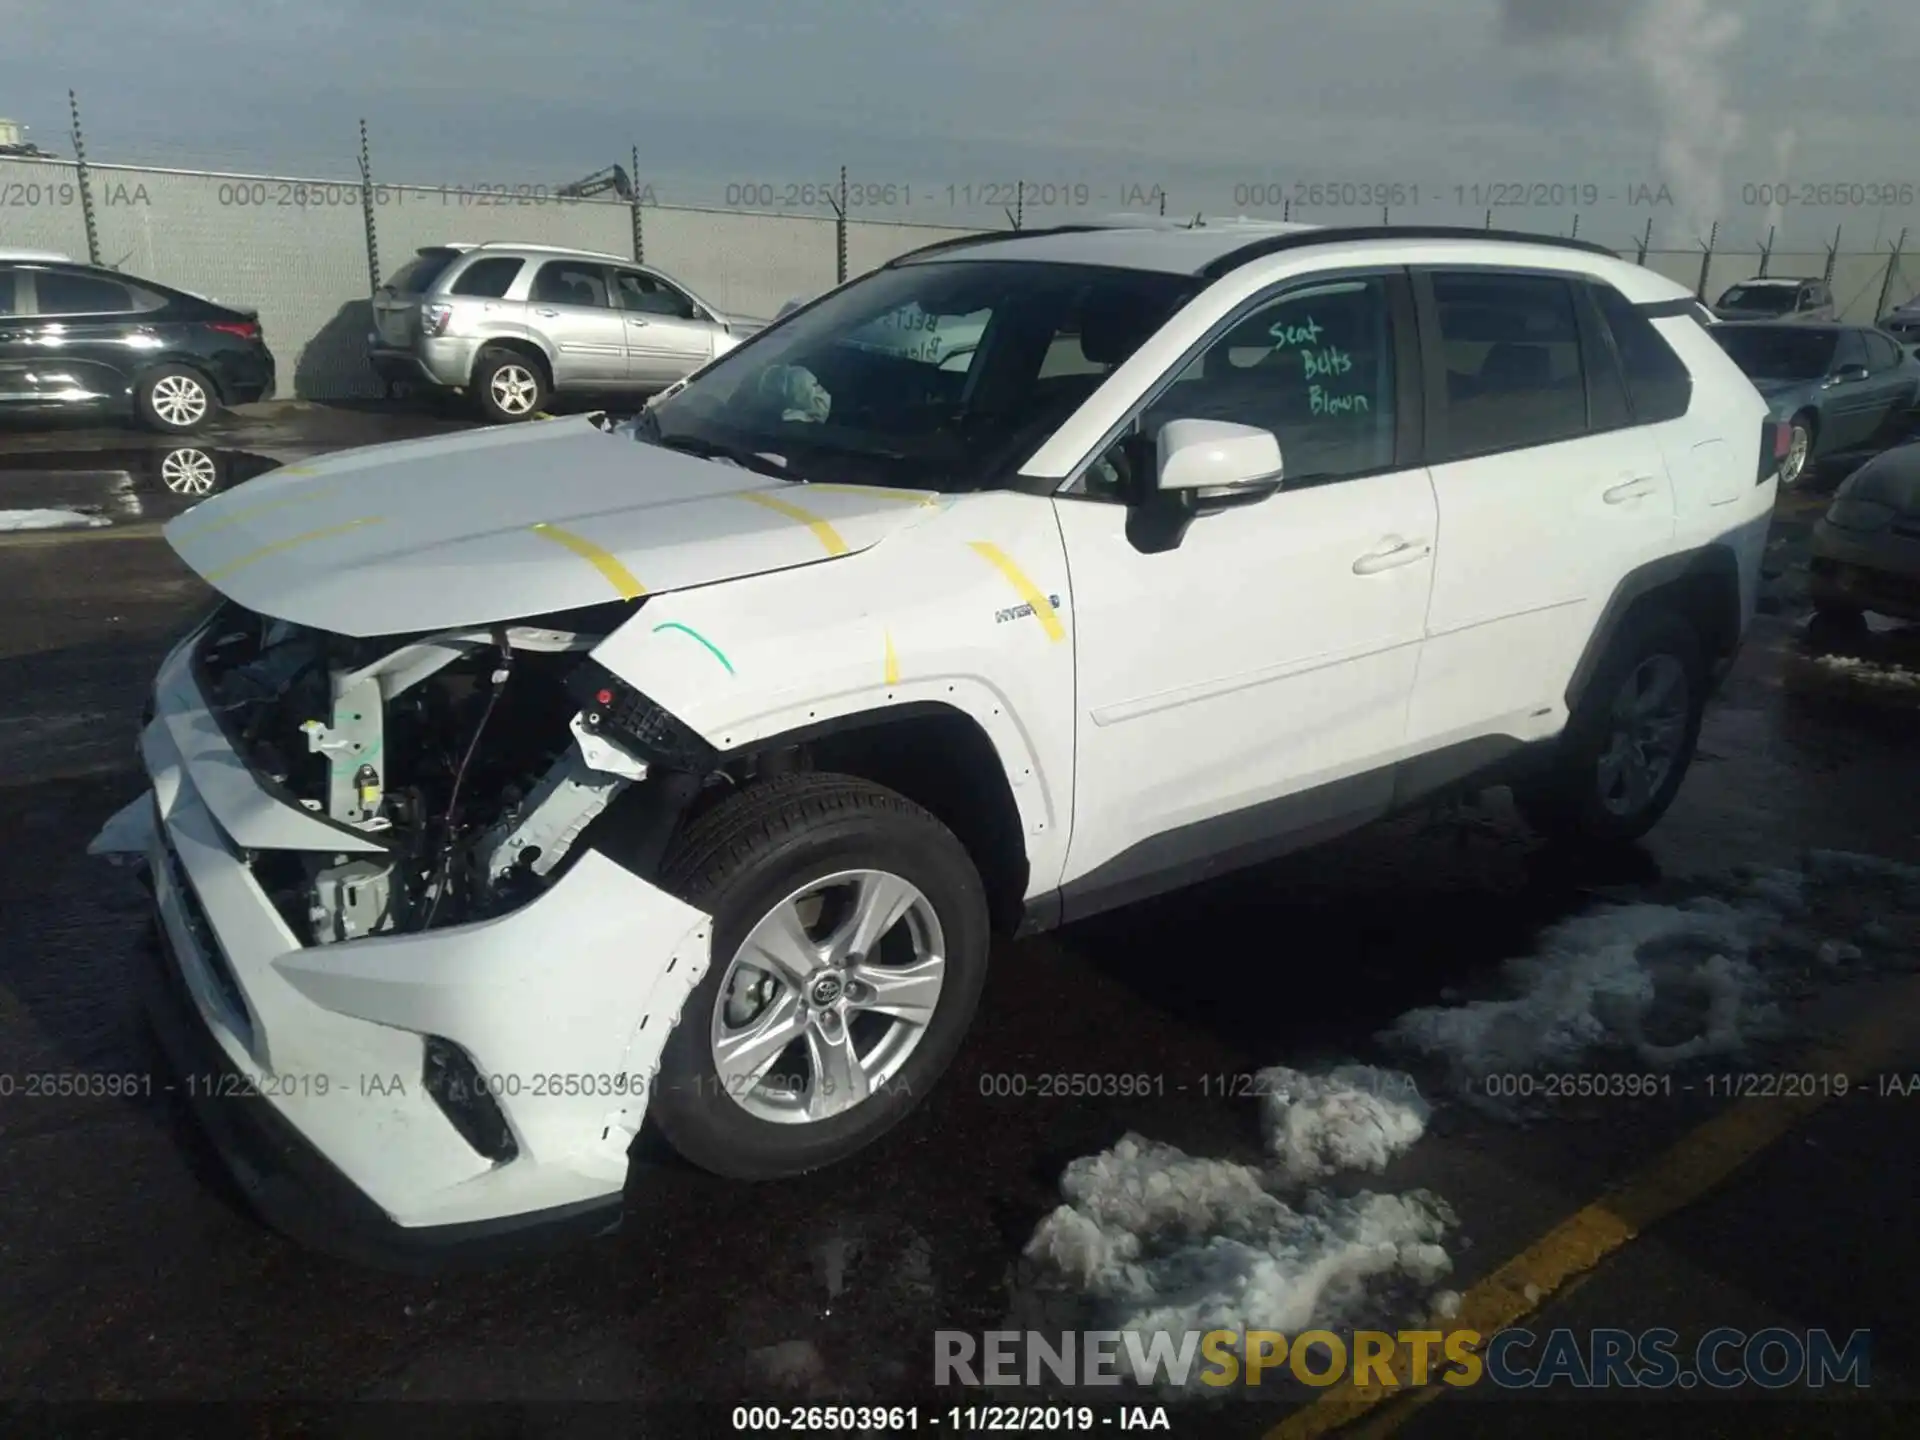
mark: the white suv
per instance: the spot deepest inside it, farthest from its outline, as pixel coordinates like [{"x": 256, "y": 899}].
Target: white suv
[{"x": 537, "y": 781}]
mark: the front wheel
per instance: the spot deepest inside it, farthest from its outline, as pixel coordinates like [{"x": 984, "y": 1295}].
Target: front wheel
[
  {"x": 849, "y": 950},
  {"x": 174, "y": 400},
  {"x": 1630, "y": 739}
]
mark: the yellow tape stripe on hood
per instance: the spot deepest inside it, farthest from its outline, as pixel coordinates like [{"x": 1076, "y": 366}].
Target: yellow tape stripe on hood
[
  {"x": 604, "y": 561},
  {"x": 825, "y": 533},
  {"x": 1042, "y": 607},
  {"x": 215, "y": 576}
]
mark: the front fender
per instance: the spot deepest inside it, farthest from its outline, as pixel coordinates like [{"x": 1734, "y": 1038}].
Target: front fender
[{"x": 967, "y": 609}]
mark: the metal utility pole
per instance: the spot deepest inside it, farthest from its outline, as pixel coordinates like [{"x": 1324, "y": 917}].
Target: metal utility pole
[
  {"x": 840, "y": 231},
  {"x": 633, "y": 210},
  {"x": 1886, "y": 280},
  {"x": 1833, "y": 253},
  {"x": 366, "y": 211},
  {"x": 1706, "y": 261},
  {"x": 1766, "y": 253},
  {"x": 84, "y": 176},
  {"x": 1646, "y": 239}
]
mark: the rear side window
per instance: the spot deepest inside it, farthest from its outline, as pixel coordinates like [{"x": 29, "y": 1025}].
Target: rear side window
[
  {"x": 1658, "y": 384},
  {"x": 490, "y": 278},
  {"x": 568, "y": 282},
  {"x": 416, "y": 277},
  {"x": 1882, "y": 352},
  {"x": 1510, "y": 345},
  {"x": 59, "y": 292}
]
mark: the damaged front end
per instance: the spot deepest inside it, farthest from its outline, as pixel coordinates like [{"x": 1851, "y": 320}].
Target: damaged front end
[{"x": 463, "y": 768}]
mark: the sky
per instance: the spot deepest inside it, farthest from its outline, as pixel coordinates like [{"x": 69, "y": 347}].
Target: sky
[{"x": 1675, "y": 111}]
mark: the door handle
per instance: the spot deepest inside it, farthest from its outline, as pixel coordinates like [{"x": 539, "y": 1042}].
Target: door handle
[
  {"x": 1403, "y": 552},
  {"x": 631, "y": 320},
  {"x": 1630, "y": 490},
  {"x": 544, "y": 311}
]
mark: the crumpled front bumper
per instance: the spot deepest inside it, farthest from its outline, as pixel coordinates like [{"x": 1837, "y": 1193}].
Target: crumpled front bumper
[{"x": 318, "y": 1051}]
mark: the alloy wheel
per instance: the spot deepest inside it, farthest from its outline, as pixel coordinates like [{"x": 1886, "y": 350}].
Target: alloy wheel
[
  {"x": 827, "y": 997},
  {"x": 188, "y": 472},
  {"x": 1649, "y": 728},
  {"x": 1799, "y": 446},
  {"x": 514, "y": 389},
  {"x": 179, "y": 400}
]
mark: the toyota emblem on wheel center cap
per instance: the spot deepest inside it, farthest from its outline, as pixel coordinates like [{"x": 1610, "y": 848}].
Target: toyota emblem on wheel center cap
[{"x": 827, "y": 989}]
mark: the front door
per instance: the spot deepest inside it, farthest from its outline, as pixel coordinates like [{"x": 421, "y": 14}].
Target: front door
[
  {"x": 667, "y": 336},
  {"x": 570, "y": 305},
  {"x": 1249, "y": 684}
]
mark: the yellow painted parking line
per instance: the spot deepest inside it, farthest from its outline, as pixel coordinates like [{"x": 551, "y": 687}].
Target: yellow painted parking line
[
  {"x": 279, "y": 546},
  {"x": 825, "y": 533},
  {"x": 1699, "y": 1163},
  {"x": 893, "y": 660},
  {"x": 604, "y": 561},
  {"x": 905, "y": 497},
  {"x": 1029, "y": 592}
]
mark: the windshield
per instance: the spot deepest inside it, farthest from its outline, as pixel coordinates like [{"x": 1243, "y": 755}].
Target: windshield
[
  {"x": 1759, "y": 299},
  {"x": 1782, "y": 352},
  {"x": 940, "y": 375}
]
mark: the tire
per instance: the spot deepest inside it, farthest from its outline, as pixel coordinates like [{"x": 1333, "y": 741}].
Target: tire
[
  {"x": 741, "y": 862},
  {"x": 509, "y": 387},
  {"x": 1801, "y": 431},
  {"x": 174, "y": 399},
  {"x": 1587, "y": 795}
]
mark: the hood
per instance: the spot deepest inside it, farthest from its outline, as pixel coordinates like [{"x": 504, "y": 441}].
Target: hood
[
  {"x": 507, "y": 523},
  {"x": 1891, "y": 478}
]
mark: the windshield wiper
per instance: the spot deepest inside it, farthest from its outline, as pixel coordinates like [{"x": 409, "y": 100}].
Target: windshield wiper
[{"x": 710, "y": 450}]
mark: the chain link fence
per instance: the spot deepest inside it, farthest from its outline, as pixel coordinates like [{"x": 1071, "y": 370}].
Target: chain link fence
[{"x": 307, "y": 253}]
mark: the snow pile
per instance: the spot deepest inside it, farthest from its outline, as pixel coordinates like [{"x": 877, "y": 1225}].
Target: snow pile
[
  {"x": 1670, "y": 983},
  {"x": 48, "y": 520},
  {"x": 1868, "y": 672},
  {"x": 1356, "y": 1117},
  {"x": 1161, "y": 1241}
]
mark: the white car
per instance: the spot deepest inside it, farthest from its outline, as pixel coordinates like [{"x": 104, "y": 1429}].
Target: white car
[{"x": 538, "y": 782}]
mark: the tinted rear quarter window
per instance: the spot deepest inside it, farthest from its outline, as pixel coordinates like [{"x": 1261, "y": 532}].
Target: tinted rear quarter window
[
  {"x": 61, "y": 293},
  {"x": 7, "y": 284},
  {"x": 1511, "y": 350},
  {"x": 1658, "y": 384},
  {"x": 490, "y": 278},
  {"x": 416, "y": 277}
]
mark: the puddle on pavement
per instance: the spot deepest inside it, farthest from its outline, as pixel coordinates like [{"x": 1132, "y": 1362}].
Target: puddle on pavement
[{"x": 129, "y": 484}]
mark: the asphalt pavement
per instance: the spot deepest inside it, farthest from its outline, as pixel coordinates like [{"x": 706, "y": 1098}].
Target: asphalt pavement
[{"x": 129, "y": 1270}]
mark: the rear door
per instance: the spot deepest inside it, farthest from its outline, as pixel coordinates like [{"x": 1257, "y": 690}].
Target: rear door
[
  {"x": 396, "y": 304},
  {"x": 668, "y": 336},
  {"x": 85, "y": 331},
  {"x": 1548, "y": 494},
  {"x": 570, "y": 307}
]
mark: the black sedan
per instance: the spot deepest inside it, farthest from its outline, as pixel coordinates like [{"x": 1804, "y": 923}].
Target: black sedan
[
  {"x": 75, "y": 335},
  {"x": 1844, "y": 389}
]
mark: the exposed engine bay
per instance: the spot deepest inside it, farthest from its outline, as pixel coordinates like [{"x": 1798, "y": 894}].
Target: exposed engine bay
[{"x": 474, "y": 761}]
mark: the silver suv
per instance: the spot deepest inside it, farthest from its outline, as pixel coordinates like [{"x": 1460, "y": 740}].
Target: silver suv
[{"x": 512, "y": 324}]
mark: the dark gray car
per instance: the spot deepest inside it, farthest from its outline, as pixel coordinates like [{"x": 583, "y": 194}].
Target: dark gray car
[
  {"x": 1866, "y": 550},
  {"x": 1903, "y": 322},
  {"x": 1843, "y": 389}
]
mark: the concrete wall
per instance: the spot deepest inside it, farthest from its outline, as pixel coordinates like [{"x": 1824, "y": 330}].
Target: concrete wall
[{"x": 296, "y": 249}]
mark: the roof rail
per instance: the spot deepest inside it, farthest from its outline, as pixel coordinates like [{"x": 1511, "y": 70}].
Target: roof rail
[
  {"x": 535, "y": 249},
  {"x": 1335, "y": 234},
  {"x": 986, "y": 237}
]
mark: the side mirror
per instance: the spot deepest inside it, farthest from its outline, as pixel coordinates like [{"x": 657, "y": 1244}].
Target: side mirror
[
  {"x": 1847, "y": 375},
  {"x": 1215, "y": 460}
]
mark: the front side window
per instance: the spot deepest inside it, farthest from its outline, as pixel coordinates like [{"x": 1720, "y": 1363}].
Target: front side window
[
  {"x": 60, "y": 292},
  {"x": 650, "y": 295},
  {"x": 1851, "y": 352},
  {"x": 1314, "y": 366},
  {"x": 568, "y": 282},
  {"x": 1510, "y": 345},
  {"x": 942, "y": 374}
]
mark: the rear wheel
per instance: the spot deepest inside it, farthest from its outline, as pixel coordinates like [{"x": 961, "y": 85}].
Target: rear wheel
[
  {"x": 1799, "y": 457},
  {"x": 849, "y": 950},
  {"x": 508, "y": 386},
  {"x": 1630, "y": 740},
  {"x": 174, "y": 399}
]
